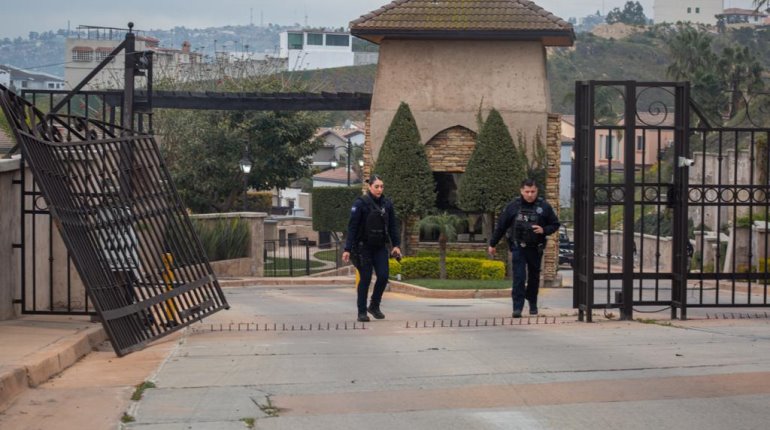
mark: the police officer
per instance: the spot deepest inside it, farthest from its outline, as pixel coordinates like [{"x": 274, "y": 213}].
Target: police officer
[
  {"x": 526, "y": 221},
  {"x": 371, "y": 226}
]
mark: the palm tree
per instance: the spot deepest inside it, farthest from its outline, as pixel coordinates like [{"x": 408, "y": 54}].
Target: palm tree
[
  {"x": 690, "y": 50},
  {"x": 446, "y": 225},
  {"x": 742, "y": 74}
]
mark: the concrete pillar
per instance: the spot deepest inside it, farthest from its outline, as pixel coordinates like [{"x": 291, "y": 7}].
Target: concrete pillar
[{"x": 9, "y": 235}]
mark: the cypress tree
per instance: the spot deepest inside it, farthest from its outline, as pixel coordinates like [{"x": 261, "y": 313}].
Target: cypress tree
[
  {"x": 403, "y": 165},
  {"x": 494, "y": 171}
]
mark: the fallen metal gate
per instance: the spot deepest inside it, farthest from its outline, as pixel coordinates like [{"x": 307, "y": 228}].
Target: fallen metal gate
[
  {"x": 122, "y": 221},
  {"x": 49, "y": 283},
  {"x": 670, "y": 210}
]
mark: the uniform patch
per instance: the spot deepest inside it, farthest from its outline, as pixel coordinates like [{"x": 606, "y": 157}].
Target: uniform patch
[
  {"x": 353, "y": 209},
  {"x": 539, "y": 210}
]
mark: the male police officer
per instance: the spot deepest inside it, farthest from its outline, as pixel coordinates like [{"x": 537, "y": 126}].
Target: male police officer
[{"x": 527, "y": 220}]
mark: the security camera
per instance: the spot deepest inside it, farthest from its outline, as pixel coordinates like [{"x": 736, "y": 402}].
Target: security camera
[{"x": 686, "y": 162}]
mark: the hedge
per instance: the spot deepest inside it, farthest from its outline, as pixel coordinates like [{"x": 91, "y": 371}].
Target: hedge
[
  {"x": 457, "y": 268},
  {"x": 456, "y": 254}
]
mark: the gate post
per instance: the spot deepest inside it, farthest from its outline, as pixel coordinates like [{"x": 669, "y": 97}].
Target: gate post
[
  {"x": 680, "y": 195},
  {"x": 583, "y": 276},
  {"x": 629, "y": 179}
]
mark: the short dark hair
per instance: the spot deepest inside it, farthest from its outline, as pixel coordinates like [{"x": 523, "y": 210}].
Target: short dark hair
[
  {"x": 372, "y": 178},
  {"x": 529, "y": 182}
]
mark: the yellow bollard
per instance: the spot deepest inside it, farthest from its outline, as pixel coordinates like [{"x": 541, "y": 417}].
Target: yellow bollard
[{"x": 168, "y": 277}]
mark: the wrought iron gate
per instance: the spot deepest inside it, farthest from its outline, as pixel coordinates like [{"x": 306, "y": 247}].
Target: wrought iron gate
[
  {"x": 49, "y": 280},
  {"x": 669, "y": 210},
  {"x": 131, "y": 241}
]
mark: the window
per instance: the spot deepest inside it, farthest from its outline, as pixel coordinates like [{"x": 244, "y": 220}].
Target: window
[
  {"x": 101, "y": 54},
  {"x": 51, "y": 85},
  {"x": 295, "y": 40},
  {"x": 315, "y": 39},
  {"x": 24, "y": 84},
  {"x": 639, "y": 143},
  {"x": 608, "y": 147},
  {"x": 697, "y": 10},
  {"x": 689, "y": 10},
  {"x": 82, "y": 55},
  {"x": 337, "y": 40}
]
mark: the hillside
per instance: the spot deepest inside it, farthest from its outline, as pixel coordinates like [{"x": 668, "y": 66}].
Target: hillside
[{"x": 639, "y": 57}]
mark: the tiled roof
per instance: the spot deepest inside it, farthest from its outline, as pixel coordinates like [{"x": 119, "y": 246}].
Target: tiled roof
[
  {"x": 489, "y": 19},
  {"x": 339, "y": 174}
]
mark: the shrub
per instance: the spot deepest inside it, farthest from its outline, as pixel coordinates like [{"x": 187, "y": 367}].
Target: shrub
[
  {"x": 225, "y": 238},
  {"x": 259, "y": 201},
  {"x": 457, "y": 268},
  {"x": 492, "y": 270},
  {"x": 394, "y": 267},
  {"x": 454, "y": 254}
]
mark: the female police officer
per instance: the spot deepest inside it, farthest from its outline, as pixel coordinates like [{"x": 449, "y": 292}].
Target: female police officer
[{"x": 371, "y": 226}]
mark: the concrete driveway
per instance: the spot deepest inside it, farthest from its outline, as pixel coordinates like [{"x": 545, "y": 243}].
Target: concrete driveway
[{"x": 291, "y": 357}]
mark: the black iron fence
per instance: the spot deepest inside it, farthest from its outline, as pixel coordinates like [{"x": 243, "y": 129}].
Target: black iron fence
[
  {"x": 674, "y": 211},
  {"x": 301, "y": 257}
]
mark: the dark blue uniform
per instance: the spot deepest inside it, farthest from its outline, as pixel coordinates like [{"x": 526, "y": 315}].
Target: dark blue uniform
[
  {"x": 526, "y": 247},
  {"x": 371, "y": 258}
]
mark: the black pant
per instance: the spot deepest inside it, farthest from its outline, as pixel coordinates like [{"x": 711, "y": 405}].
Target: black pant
[
  {"x": 372, "y": 260},
  {"x": 526, "y": 263}
]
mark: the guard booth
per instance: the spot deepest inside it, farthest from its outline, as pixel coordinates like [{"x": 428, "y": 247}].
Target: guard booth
[{"x": 671, "y": 208}]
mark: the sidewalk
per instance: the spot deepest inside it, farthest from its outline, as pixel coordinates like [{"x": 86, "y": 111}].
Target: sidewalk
[{"x": 37, "y": 347}]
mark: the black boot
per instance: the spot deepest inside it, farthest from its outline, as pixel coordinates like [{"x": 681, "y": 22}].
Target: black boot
[
  {"x": 362, "y": 317},
  {"x": 375, "y": 311}
]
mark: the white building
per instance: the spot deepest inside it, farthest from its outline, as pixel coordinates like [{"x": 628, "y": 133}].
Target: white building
[
  {"x": 311, "y": 50},
  {"x": 21, "y": 79},
  {"x": 694, "y": 11},
  {"x": 5, "y": 78},
  {"x": 91, "y": 45}
]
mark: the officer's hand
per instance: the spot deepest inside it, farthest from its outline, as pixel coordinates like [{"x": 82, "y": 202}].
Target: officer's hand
[
  {"x": 538, "y": 229},
  {"x": 491, "y": 250},
  {"x": 346, "y": 256}
]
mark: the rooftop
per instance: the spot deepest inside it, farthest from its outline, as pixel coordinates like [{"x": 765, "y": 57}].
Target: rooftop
[{"x": 464, "y": 19}]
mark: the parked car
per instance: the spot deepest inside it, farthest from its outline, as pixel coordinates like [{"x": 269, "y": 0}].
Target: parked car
[{"x": 566, "y": 250}]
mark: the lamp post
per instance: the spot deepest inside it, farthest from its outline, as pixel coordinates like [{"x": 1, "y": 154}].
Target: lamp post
[
  {"x": 245, "y": 165},
  {"x": 348, "y": 149}
]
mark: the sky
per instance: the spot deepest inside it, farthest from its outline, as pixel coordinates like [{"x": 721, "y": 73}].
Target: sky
[{"x": 19, "y": 18}]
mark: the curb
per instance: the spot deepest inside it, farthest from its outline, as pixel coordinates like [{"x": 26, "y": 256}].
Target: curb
[{"x": 40, "y": 366}]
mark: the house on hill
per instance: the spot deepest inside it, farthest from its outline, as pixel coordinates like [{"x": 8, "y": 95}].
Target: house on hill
[{"x": 694, "y": 11}]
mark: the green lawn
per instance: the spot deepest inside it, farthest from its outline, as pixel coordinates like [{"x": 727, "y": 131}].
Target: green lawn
[
  {"x": 280, "y": 267},
  {"x": 461, "y": 284},
  {"x": 327, "y": 255}
]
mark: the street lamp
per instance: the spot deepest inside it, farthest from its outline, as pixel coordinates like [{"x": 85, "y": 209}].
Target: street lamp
[
  {"x": 348, "y": 148},
  {"x": 245, "y": 165}
]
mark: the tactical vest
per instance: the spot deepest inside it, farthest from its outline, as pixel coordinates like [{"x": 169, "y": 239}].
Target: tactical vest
[
  {"x": 375, "y": 231},
  {"x": 521, "y": 231}
]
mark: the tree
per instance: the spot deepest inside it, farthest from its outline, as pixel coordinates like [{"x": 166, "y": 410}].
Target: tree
[
  {"x": 494, "y": 171},
  {"x": 691, "y": 53},
  {"x": 203, "y": 148},
  {"x": 404, "y": 168},
  {"x": 742, "y": 75},
  {"x": 331, "y": 210},
  {"x": 632, "y": 14},
  {"x": 536, "y": 166},
  {"x": 446, "y": 225},
  {"x": 720, "y": 83}
]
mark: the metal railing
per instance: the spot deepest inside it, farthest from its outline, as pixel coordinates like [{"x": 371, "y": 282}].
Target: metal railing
[{"x": 301, "y": 257}]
